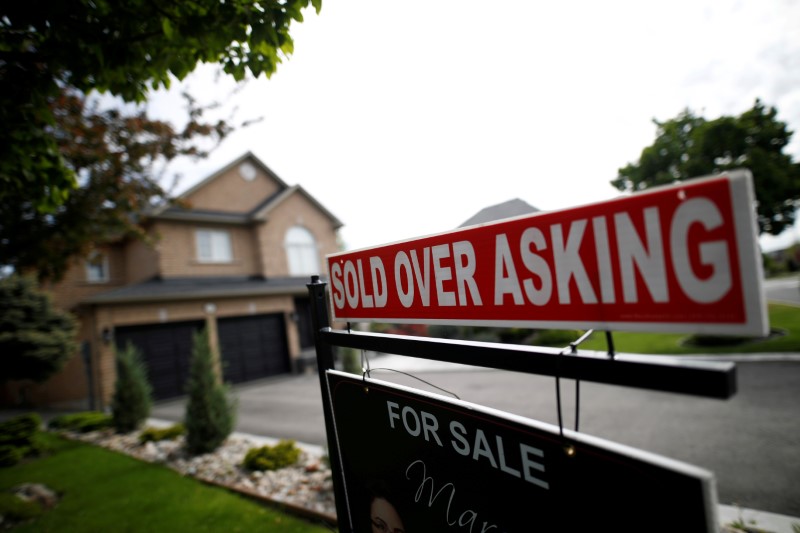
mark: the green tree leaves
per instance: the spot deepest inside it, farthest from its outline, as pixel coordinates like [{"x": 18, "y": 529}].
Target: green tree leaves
[
  {"x": 125, "y": 48},
  {"x": 118, "y": 155},
  {"x": 689, "y": 146}
]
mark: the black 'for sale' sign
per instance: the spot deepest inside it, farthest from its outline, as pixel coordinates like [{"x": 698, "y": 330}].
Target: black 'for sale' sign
[{"x": 418, "y": 462}]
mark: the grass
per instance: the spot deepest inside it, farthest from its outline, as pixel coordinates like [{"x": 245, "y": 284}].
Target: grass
[
  {"x": 108, "y": 491},
  {"x": 781, "y": 317}
]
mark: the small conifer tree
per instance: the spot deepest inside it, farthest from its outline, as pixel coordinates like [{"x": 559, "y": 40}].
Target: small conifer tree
[
  {"x": 133, "y": 398},
  {"x": 36, "y": 338},
  {"x": 210, "y": 412}
]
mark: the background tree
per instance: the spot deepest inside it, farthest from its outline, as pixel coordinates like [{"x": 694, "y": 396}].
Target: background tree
[
  {"x": 690, "y": 146},
  {"x": 133, "y": 399},
  {"x": 124, "y": 48},
  {"x": 35, "y": 338},
  {"x": 119, "y": 157},
  {"x": 210, "y": 414}
]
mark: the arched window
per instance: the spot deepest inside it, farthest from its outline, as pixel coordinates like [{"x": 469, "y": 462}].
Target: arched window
[{"x": 301, "y": 251}]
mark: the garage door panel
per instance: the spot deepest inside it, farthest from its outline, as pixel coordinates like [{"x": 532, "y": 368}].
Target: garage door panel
[{"x": 253, "y": 347}]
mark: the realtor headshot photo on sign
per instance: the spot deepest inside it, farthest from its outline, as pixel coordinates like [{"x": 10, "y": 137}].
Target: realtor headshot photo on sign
[{"x": 384, "y": 512}]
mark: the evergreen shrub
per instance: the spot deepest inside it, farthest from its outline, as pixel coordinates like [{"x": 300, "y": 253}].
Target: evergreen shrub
[
  {"x": 555, "y": 337},
  {"x": 157, "y": 434},
  {"x": 133, "y": 397},
  {"x": 82, "y": 422},
  {"x": 18, "y": 438},
  {"x": 284, "y": 453},
  {"x": 210, "y": 412},
  {"x": 36, "y": 338},
  {"x": 10, "y": 455}
]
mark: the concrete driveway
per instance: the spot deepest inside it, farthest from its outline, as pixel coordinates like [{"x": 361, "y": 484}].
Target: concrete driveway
[{"x": 751, "y": 442}]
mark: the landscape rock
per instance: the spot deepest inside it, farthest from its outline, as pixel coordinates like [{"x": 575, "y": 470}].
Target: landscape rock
[{"x": 37, "y": 493}]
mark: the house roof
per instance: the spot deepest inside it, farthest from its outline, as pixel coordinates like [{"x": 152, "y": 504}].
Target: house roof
[
  {"x": 235, "y": 163},
  {"x": 171, "y": 289},
  {"x": 511, "y": 208},
  {"x": 264, "y": 209},
  {"x": 257, "y": 214}
]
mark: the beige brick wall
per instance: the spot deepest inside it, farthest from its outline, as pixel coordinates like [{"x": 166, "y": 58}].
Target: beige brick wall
[
  {"x": 177, "y": 251},
  {"x": 141, "y": 260},
  {"x": 74, "y": 287},
  {"x": 231, "y": 192}
]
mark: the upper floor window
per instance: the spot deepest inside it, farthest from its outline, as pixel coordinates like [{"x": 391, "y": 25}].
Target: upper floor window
[
  {"x": 213, "y": 246},
  {"x": 97, "y": 268},
  {"x": 301, "y": 250}
]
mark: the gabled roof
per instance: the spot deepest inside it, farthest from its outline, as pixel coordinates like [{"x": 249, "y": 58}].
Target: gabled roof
[
  {"x": 511, "y": 208},
  {"x": 235, "y": 163},
  {"x": 263, "y": 210},
  {"x": 259, "y": 213}
]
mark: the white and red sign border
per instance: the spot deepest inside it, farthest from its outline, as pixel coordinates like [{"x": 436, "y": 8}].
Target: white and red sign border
[{"x": 679, "y": 258}]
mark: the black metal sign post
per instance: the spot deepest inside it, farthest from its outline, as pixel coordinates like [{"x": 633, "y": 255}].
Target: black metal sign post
[
  {"x": 700, "y": 378},
  {"x": 325, "y": 361}
]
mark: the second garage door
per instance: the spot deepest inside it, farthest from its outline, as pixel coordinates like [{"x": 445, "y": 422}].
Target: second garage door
[{"x": 253, "y": 347}]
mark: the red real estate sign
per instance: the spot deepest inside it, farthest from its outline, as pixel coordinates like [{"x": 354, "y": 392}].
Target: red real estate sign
[{"x": 681, "y": 258}]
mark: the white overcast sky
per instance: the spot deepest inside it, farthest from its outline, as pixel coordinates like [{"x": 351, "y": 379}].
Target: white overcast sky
[{"x": 405, "y": 118}]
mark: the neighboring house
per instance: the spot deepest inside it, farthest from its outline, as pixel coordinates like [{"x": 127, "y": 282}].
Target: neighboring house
[
  {"x": 511, "y": 208},
  {"x": 236, "y": 261}
]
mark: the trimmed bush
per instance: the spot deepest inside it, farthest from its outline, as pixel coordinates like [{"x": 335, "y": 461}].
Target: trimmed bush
[
  {"x": 556, "y": 337},
  {"x": 285, "y": 453},
  {"x": 10, "y": 455},
  {"x": 82, "y": 422},
  {"x": 209, "y": 412},
  {"x": 19, "y": 431},
  {"x": 711, "y": 341},
  {"x": 351, "y": 360},
  {"x": 133, "y": 396},
  {"x": 157, "y": 434},
  {"x": 18, "y": 438}
]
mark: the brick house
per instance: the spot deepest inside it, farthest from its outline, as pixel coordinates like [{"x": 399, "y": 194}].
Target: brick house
[{"x": 236, "y": 261}]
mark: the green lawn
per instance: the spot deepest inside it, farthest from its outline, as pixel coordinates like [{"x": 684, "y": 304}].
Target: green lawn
[
  {"x": 781, "y": 317},
  {"x": 107, "y": 491}
]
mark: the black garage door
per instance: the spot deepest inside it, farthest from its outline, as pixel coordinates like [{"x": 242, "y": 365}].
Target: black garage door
[
  {"x": 253, "y": 347},
  {"x": 166, "y": 350}
]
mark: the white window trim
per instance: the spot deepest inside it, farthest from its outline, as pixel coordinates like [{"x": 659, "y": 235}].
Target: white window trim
[
  {"x": 220, "y": 246},
  {"x": 90, "y": 270}
]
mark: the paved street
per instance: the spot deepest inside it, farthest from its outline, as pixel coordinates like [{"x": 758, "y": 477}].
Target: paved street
[
  {"x": 751, "y": 442},
  {"x": 783, "y": 290}
]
